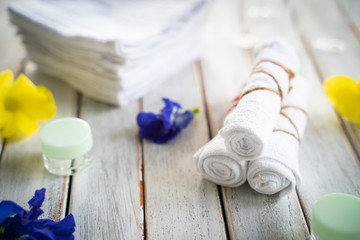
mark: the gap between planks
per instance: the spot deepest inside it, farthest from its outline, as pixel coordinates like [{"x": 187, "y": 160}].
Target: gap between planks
[
  {"x": 308, "y": 51},
  {"x": 78, "y": 114},
  {"x": 140, "y": 160},
  {"x": 348, "y": 21},
  {"x": 344, "y": 126},
  {"x": 307, "y": 47},
  {"x": 21, "y": 68},
  {"x": 199, "y": 75}
]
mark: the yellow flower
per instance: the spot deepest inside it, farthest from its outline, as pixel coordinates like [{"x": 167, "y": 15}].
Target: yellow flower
[
  {"x": 344, "y": 94},
  {"x": 21, "y": 105}
]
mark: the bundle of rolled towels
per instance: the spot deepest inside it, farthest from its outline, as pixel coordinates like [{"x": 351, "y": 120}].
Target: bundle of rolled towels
[{"x": 260, "y": 138}]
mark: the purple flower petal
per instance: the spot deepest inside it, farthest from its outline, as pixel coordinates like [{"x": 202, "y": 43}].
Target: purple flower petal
[
  {"x": 167, "y": 112},
  {"x": 17, "y": 223},
  {"x": 35, "y": 204},
  {"x": 8, "y": 209},
  {"x": 149, "y": 121},
  {"x": 183, "y": 119},
  {"x": 61, "y": 229},
  {"x": 161, "y": 128}
]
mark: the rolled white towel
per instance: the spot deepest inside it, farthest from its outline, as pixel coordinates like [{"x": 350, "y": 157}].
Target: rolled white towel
[
  {"x": 285, "y": 53},
  {"x": 220, "y": 166},
  {"x": 277, "y": 170},
  {"x": 251, "y": 122}
]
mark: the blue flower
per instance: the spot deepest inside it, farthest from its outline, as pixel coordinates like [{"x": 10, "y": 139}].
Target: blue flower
[
  {"x": 18, "y": 223},
  {"x": 161, "y": 128}
]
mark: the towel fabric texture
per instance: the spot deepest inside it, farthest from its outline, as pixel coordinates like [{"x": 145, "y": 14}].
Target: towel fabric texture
[
  {"x": 220, "y": 166},
  {"x": 112, "y": 51},
  {"x": 260, "y": 138},
  {"x": 277, "y": 169},
  {"x": 251, "y": 122}
]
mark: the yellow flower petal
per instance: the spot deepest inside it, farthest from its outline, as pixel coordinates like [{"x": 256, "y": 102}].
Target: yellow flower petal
[
  {"x": 6, "y": 80},
  {"x": 344, "y": 94},
  {"x": 22, "y": 87},
  {"x": 41, "y": 107},
  {"x": 21, "y": 105},
  {"x": 36, "y": 102},
  {"x": 19, "y": 124},
  {"x": 4, "y": 115}
]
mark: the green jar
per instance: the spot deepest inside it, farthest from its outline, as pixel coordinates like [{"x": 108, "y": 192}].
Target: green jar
[
  {"x": 66, "y": 144},
  {"x": 336, "y": 217}
]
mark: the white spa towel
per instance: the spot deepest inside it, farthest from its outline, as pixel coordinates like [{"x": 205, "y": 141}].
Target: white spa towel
[
  {"x": 112, "y": 51},
  {"x": 277, "y": 169},
  {"x": 285, "y": 53},
  {"x": 218, "y": 165},
  {"x": 120, "y": 28},
  {"x": 111, "y": 91},
  {"x": 124, "y": 72},
  {"x": 250, "y": 124}
]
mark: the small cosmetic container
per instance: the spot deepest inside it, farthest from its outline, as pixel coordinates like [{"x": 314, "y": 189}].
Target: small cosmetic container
[
  {"x": 336, "y": 217},
  {"x": 66, "y": 145}
]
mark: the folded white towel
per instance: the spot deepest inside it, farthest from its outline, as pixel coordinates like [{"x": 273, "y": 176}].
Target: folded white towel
[
  {"x": 122, "y": 28},
  {"x": 111, "y": 91},
  {"x": 91, "y": 64},
  {"x": 112, "y": 51},
  {"x": 220, "y": 166},
  {"x": 277, "y": 170},
  {"x": 251, "y": 122},
  {"x": 279, "y": 51}
]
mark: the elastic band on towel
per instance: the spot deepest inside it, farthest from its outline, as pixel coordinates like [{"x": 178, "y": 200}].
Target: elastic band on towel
[
  {"x": 275, "y": 80},
  {"x": 238, "y": 98},
  {"x": 287, "y": 132},
  {"x": 297, "y": 135},
  {"x": 287, "y": 70},
  {"x": 292, "y": 123},
  {"x": 259, "y": 88},
  {"x": 296, "y": 107}
]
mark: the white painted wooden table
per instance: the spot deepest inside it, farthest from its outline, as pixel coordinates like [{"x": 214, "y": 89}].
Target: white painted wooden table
[{"x": 139, "y": 190}]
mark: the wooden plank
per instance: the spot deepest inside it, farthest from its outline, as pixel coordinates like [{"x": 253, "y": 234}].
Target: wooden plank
[
  {"x": 350, "y": 10},
  {"x": 10, "y": 48},
  {"x": 327, "y": 161},
  {"x": 22, "y": 169},
  {"x": 325, "y": 155},
  {"x": 331, "y": 44},
  {"x": 249, "y": 215},
  {"x": 178, "y": 204},
  {"x": 106, "y": 199}
]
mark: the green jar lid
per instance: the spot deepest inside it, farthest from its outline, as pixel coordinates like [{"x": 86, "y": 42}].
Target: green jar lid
[
  {"x": 336, "y": 217},
  {"x": 66, "y": 138}
]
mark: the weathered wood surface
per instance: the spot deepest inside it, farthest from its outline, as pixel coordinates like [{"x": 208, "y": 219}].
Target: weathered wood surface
[
  {"x": 106, "y": 199},
  {"x": 21, "y": 168},
  {"x": 10, "y": 49},
  {"x": 324, "y": 170},
  {"x": 178, "y": 203},
  {"x": 21, "y": 164},
  {"x": 350, "y": 10},
  {"x": 139, "y": 190},
  {"x": 330, "y": 41},
  {"x": 249, "y": 215}
]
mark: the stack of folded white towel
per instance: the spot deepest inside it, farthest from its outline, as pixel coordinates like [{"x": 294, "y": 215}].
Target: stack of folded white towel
[
  {"x": 260, "y": 138},
  {"x": 113, "y": 51}
]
